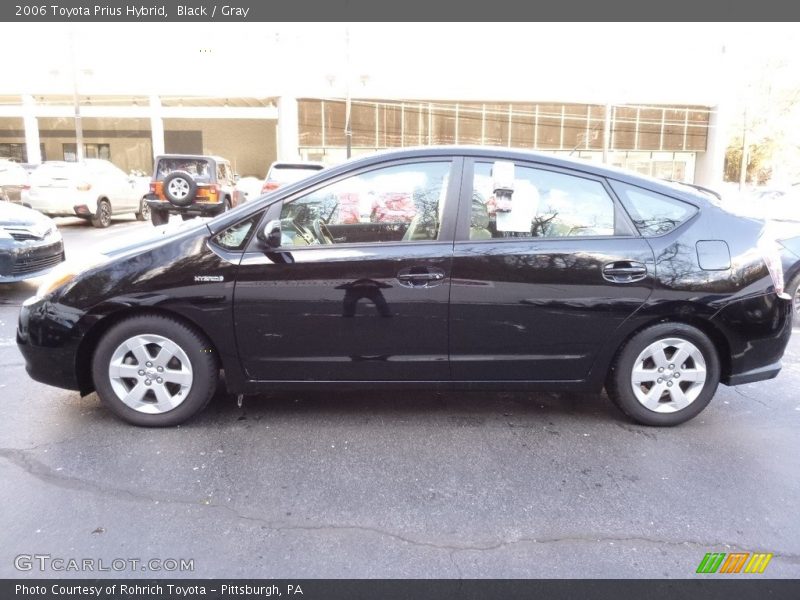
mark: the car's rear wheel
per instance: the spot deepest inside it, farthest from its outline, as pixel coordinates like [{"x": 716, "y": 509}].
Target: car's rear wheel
[
  {"x": 102, "y": 218},
  {"x": 144, "y": 211},
  {"x": 665, "y": 374},
  {"x": 159, "y": 217},
  {"x": 154, "y": 371}
]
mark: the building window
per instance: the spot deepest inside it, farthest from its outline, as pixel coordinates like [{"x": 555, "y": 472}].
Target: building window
[
  {"x": 89, "y": 151},
  {"x": 552, "y": 127},
  {"x": 18, "y": 152}
]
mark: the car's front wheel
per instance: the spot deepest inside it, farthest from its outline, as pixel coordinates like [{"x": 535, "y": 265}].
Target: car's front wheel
[
  {"x": 665, "y": 374},
  {"x": 155, "y": 371}
]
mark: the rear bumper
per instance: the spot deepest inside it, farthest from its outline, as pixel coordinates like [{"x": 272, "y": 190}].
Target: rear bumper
[
  {"x": 196, "y": 208},
  {"x": 760, "y": 374},
  {"x": 757, "y": 331}
]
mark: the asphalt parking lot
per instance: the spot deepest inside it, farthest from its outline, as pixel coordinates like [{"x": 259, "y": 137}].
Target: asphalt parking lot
[{"x": 394, "y": 484}]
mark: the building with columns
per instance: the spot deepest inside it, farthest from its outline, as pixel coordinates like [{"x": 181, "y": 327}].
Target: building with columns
[{"x": 207, "y": 97}]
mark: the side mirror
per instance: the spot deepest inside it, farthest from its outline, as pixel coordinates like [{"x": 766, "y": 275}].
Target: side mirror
[{"x": 272, "y": 233}]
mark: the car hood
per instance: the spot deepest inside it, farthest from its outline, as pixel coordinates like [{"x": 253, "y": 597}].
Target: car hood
[
  {"x": 147, "y": 237},
  {"x": 14, "y": 214}
]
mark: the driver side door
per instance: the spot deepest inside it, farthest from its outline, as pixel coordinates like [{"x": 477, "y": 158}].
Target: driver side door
[{"x": 359, "y": 288}]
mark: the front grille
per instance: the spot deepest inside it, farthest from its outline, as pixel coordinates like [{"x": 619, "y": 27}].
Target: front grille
[{"x": 24, "y": 266}]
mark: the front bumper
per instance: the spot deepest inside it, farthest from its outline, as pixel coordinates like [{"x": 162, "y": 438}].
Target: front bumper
[
  {"x": 47, "y": 345},
  {"x": 25, "y": 261}
]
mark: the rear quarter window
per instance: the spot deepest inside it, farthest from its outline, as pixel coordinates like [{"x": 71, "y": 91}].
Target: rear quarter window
[{"x": 653, "y": 213}]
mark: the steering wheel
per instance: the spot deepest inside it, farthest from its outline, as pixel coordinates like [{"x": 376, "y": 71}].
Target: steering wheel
[{"x": 321, "y": 231}]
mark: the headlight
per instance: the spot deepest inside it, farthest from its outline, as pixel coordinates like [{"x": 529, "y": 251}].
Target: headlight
[{"x": 67, "y": 272}]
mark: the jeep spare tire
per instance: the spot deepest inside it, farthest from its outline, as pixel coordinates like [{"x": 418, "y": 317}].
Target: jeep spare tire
[{"x": 180, "y": 188}]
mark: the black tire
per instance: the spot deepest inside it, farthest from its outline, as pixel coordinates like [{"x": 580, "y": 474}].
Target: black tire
[
  {"x": 203, "y": 364},
  {"x": 793, "y": 289},
  {"x": 159, "y": 217},
  {"x": 620, "y": 387},
  {"x": 144, "y": 211},
  {"x": 226, "y": 206},
  {"x": 102, "y": 218},
  {"x": 180, "y": 188}
]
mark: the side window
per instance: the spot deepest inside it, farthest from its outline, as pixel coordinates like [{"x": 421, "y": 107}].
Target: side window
[
  {"x": 652, "y": 213},
  {"x": 401, "y": 203},
  {"x": 235, "y": 237},
  {"x": 543, "y": 204}
]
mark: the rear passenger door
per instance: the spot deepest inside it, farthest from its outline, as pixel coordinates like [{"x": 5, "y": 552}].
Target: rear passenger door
[{"x": 536, "y": 291}]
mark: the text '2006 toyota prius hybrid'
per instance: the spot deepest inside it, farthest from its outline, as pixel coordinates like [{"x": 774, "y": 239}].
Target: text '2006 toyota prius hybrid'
[{"x": 467, "y": 267}]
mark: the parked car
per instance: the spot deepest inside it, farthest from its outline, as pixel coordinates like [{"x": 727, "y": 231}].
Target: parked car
[
  {"x": 791, "y": 251},
  {"x": 30, "y": 244},
  {"x": 788, "y": 235},
  {"x": 769, "y": 204},
  {"x": 247, "y": 188},
  {"x": 190, "y": 185},
  {"x": 94, "y": 189},
  {"x": 581, "y": 278},
  {"x": 13, "y": 180},
  {"x": 282, "y": 173}
]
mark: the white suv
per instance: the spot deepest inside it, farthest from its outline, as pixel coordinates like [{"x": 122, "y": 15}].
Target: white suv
[{"x": 93, "y": 189}]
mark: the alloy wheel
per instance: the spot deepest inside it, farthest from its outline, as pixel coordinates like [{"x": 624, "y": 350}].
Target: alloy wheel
[
  {"x": 179, "y": 188},
  {"x": 668, "y": 375},
  {"x": 150, "y": 373}
]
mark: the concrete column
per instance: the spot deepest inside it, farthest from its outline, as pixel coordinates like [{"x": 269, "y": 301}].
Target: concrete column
[
  {"x": 156, "y": 126},
  {"x": 710, "y": 165},
  {"x": 288, "y": 129},
  {"x": 31, "y": 124}
]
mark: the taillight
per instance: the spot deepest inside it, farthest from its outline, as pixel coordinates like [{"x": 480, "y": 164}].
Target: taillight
[
  {"x": 84, "y": 187},
  {"x": 269, "y": 186},
  {"x": 153, "y": 187},
  {"x": 208, "y": 193},
  {"x": 771, "y": 253}
]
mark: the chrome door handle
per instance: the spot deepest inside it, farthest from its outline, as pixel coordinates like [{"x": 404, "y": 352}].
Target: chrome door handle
[
  {"x": 624, "y": 272},
  {"x": 421, "y": 276}
]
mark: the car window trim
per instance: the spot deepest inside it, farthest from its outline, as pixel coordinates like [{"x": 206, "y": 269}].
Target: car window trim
[
  {"x": 465, "y": 199},
  {"x": 447, "y": 227},
  {"x": 697, "y": 209}
]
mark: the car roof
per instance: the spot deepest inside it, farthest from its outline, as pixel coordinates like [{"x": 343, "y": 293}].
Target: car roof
[
  {"x": 204, "y": 156},
  {"x": 302, "y": 164}
]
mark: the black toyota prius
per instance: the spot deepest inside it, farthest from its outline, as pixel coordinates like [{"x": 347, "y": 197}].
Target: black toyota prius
[{"x": 461, "y": 267}]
